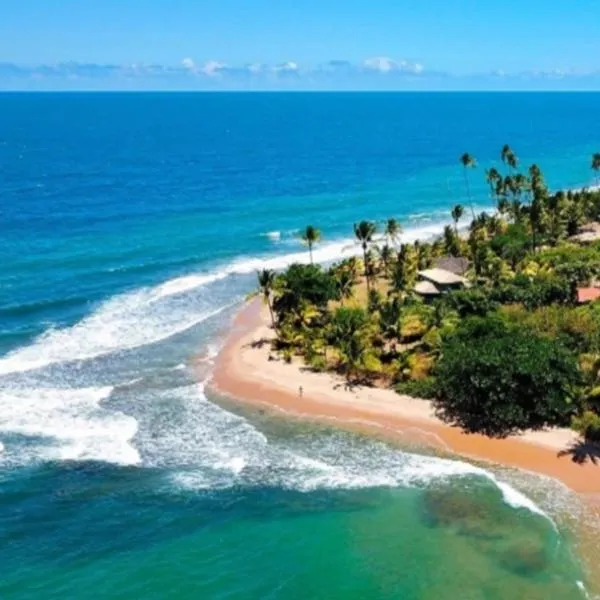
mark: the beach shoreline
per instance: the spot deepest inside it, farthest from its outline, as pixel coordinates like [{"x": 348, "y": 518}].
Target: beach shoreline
[{"x": 244, "y": 373}]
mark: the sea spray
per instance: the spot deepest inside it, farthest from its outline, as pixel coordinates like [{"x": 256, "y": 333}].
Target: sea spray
[
  {"x": 207, "y": 436},
  {"x": 150, "y": 315},
  {"x": 65, "y": 424}
]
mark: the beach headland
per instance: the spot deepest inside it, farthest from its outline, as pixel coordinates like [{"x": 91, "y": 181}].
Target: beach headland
[{"x": 244, "y": 372}]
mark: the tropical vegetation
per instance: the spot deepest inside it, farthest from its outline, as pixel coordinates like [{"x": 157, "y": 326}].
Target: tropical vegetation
[{"x": 511, "y": 350}]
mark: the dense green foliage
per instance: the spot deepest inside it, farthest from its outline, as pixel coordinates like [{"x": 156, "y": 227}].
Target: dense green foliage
[
  {"x": 303, "y": 284},
  {"x": 496, "y": 378},
  {"x": 511, "y": 350}
]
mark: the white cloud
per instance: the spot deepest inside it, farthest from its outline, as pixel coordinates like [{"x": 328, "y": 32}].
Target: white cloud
[
  {"x": 212, "y": 68},
  {"x": 286, "y": 67},
  {"x": 415, "y": 68},
  {"x": 374, "y": 73},
  {"x": 189, "y": 64},
  {"x": 255, "y": 68},
  {"x": 382, "y": 64}
]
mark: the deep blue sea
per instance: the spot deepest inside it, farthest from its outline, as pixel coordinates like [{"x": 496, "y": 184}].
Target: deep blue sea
[{"x": 131, "y": 228}]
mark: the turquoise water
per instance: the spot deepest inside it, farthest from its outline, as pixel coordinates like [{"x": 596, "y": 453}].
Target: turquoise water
[{"x": 131, "y": 226}]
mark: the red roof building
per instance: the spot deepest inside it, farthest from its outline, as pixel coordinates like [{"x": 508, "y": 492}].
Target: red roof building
[{"x": 587, "y": 294}]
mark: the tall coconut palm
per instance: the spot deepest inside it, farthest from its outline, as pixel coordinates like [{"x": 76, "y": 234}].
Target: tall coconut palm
[
  {"x": 500, "y": 189},
  {"x": 457, "y": 212},
  {"x": 596, "y": 164},
  {"x": 503, "y": 206},
  {"x": 451, "y": 242},
  {"x": 492, "y": 176},
  {"x": 522, "y": 184},
  {"x": 535, "y": 172},
  {"x": 510, "y": 186},
  {"x": 468, "y": 162},
  {"x": 351, "y": 265},
  {"x": 364, "y": 232},
  {"x": 386, "y": 255},
  {"x": 516, "y": 211},
  {"x": 509, "y": 157},
  {"x": 405, "y": 269},
  {"x": 344, "y": 284},
  {"x": 536, "y": 220},
  {"x": 393, "y": 230},
  {"x": 266, "y": 283},
  {"x": 311, "y": 236}
]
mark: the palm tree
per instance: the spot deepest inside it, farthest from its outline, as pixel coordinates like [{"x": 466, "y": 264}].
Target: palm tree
[
  {"x": 521, "y": 184},
  {"x": 457, "y": 213},
  {"x": 596, "y": 164},
  {"x": 516, "y": 211},
  {"x": 500, "y": 188},
  {"x": 468, "y": 162},
  {"x": 503, "y": 206},
  {"x": 424, "y": 255},
  {"x": 406, "y": 269},
  {"x": 393, "y": 230},
  {"x": 390, "y": 322},
  {"x": 451, "y": 242},
  {"x": 266, "y": 283},
  {"x": 347, "y": 333},
  {"x": 510, "y": 186},
  {"x": 344, "y": 283},
  {"x": 364, "y": 232},
  {"x": 535, "y": 172},
  {"x": 311, "y": 236},
  {"x": 492, "y": 176},
  {"x": 536, "y": 220},
  {"x": 386, "y": 254},
  {"x": 509, "y": 157},
  {"x": 351, "y": 265}
]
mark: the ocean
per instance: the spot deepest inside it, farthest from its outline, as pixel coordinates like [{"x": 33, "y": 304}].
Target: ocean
[{"x": 131, "y": 228}]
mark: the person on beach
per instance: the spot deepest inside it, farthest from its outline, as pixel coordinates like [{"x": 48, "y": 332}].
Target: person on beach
[{"x": 300, "y": 391}]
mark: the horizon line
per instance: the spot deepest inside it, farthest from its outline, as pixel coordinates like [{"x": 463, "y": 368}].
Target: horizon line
[{"x": 300, "y": 91}]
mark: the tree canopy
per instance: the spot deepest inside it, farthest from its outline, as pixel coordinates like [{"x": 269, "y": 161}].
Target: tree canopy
[
  {"x": 508, "y": 347},
  {"x": 497, "y": 379}
]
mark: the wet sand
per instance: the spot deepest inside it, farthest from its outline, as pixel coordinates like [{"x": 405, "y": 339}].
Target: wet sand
[{"x": 244, "y": 372}]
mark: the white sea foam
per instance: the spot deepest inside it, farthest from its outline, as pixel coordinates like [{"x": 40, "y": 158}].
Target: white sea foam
[
  {"x": 206, "y": 446},
  {"x": 582, "y": 589},
  {"x": 274, "y": 236},
  {"x": 210, "y": 444},
  {"x": 123, "y": 323},
  {"x": 149, "y": 315},
  {"x": 67, "y": 425}
]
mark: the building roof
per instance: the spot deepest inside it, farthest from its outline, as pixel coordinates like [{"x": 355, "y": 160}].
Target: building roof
[
  {"x": 586, "y": 237},
  {"x": 426, "y": 288},
  {"x": 587, "y": 294},
  {"x": 455, "y": 264},
  {"x": 441, "y": 276}
]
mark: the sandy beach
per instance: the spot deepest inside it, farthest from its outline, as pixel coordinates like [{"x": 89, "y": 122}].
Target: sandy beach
[{"x": 244, "y": 372}]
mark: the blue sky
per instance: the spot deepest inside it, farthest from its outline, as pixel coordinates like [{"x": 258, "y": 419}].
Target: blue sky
[{"x": 299, "y": 44}]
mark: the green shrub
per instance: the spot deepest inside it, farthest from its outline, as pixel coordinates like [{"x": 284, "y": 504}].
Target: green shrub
[
  {"x": 303, "y": 284},
  {"x": 587, "y": 425},
  {"x": 498, "y": 379},
  {"x": 474, "y": 302},
  {"x": 318, "y": 363},
  {"x": 424, "y": 388},
  {"x": 533, "y": 293}
]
